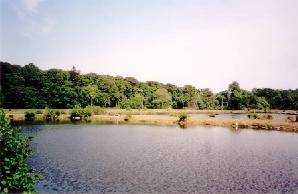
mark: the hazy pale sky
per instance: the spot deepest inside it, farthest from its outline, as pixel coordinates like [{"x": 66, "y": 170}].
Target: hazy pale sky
[{"x": 206, "y": 43}]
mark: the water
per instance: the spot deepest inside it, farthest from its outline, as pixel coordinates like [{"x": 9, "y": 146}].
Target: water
[
  {"x": 136, "y": 158},
  {"x": 242, "y": 115}
]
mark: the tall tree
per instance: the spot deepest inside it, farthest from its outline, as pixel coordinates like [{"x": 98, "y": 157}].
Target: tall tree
[
  {"x": 91, "y": 91},
  {"x": 162, "y": 98}
]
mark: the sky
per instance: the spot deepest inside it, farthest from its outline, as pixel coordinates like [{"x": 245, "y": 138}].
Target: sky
[{"x": 205, "y": 43}]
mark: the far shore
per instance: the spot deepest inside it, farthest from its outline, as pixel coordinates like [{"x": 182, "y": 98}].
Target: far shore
[
  {"x": 169, "y": 117},
  {"x": 111, "y": 111}
]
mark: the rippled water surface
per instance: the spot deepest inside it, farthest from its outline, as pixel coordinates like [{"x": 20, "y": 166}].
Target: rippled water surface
[{"x": 130, "y": 158}]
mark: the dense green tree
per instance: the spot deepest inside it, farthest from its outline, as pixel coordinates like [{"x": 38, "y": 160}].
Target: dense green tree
[
  {"x": 137, "y": 101},
  {"x": 74, "y": 75},
  {"x": 262, "y": 103},
  {"x": 190, "y": 96},
  {"x": 220, "y": 100},
  {"x": 162, "y": 98},
  {"x": 206, "y": 99},
  {"x": 234, "y": 96},
  {"x": 90, "y": 91},
  {"x": 30, "y": 87}
]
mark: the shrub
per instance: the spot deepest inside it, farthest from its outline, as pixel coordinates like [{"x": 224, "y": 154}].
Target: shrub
[
  {"x": 86, "y": 113},
  {"x": 29, "y": 116},
  {"x": 38, "y": 112},
  {"x": 182, "y": 117},
  {"x": 15, "y": 175},
  {"x": 49, "y": 114},
  {"x": 77, "y": 111},
  {"x": 57, "y": 113},
  {"x": 211, "y": 114}
]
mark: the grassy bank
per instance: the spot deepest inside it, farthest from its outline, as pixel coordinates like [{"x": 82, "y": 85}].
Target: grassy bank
[
  {"x": 169, "y": 117},
  {"x": 112, "y": 111}
]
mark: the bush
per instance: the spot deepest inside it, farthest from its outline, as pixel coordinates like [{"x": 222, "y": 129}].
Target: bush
[
  {"x": 38, "y": 112},
  {"x": 15, "y": 175},
  {"x": 57, "y": 113},
  {"x": 77, "y": 111},
  {"x": 49, "y": 114},
  {"x": 86, "y": 113},
  {"x": 211, "y": 114},
  {"x": 29, "y": 116},
  {"x": 182, "y": 117}
]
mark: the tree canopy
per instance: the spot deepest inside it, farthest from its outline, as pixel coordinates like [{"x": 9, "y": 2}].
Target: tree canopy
[{"x": 30, "y": 87}]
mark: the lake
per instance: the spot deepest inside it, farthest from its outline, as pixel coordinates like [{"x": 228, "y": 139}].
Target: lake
[{"x": 138, "y": 158}]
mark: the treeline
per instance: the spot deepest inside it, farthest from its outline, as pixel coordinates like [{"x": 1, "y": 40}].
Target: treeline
[{"x": 30, "y": 87}]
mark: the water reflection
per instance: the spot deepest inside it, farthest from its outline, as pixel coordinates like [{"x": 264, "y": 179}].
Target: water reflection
[{"x": 134, "y": 158}]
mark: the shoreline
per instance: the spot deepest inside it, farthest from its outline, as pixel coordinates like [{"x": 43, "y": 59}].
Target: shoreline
[
  {"x": 111, "y": 111},
  {"x": 171, "y": 120}
]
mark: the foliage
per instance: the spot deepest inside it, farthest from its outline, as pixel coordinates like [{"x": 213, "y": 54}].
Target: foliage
[
  {"x": 30, "y": 87},
  {"x": 49, "y": 114},
  {"x": 262, "y": 103},
  {"x": 162, "y": 98},
  {"x": 190, "y": 96},
  {"x": 15, "y": 175},
  {"x": 80, "y": 112},
  {"x": 211, "y": 114},
  {"x": 182, "y": 117},
  {"x": 38, "y": 112},
  {"x": 91, "y": 91},
  {"x": 96, "y": 110},
  {"x": 29, "y": 116},
  {"x": 57, "y": 113},
  {"x": 206, "y": 99}
]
